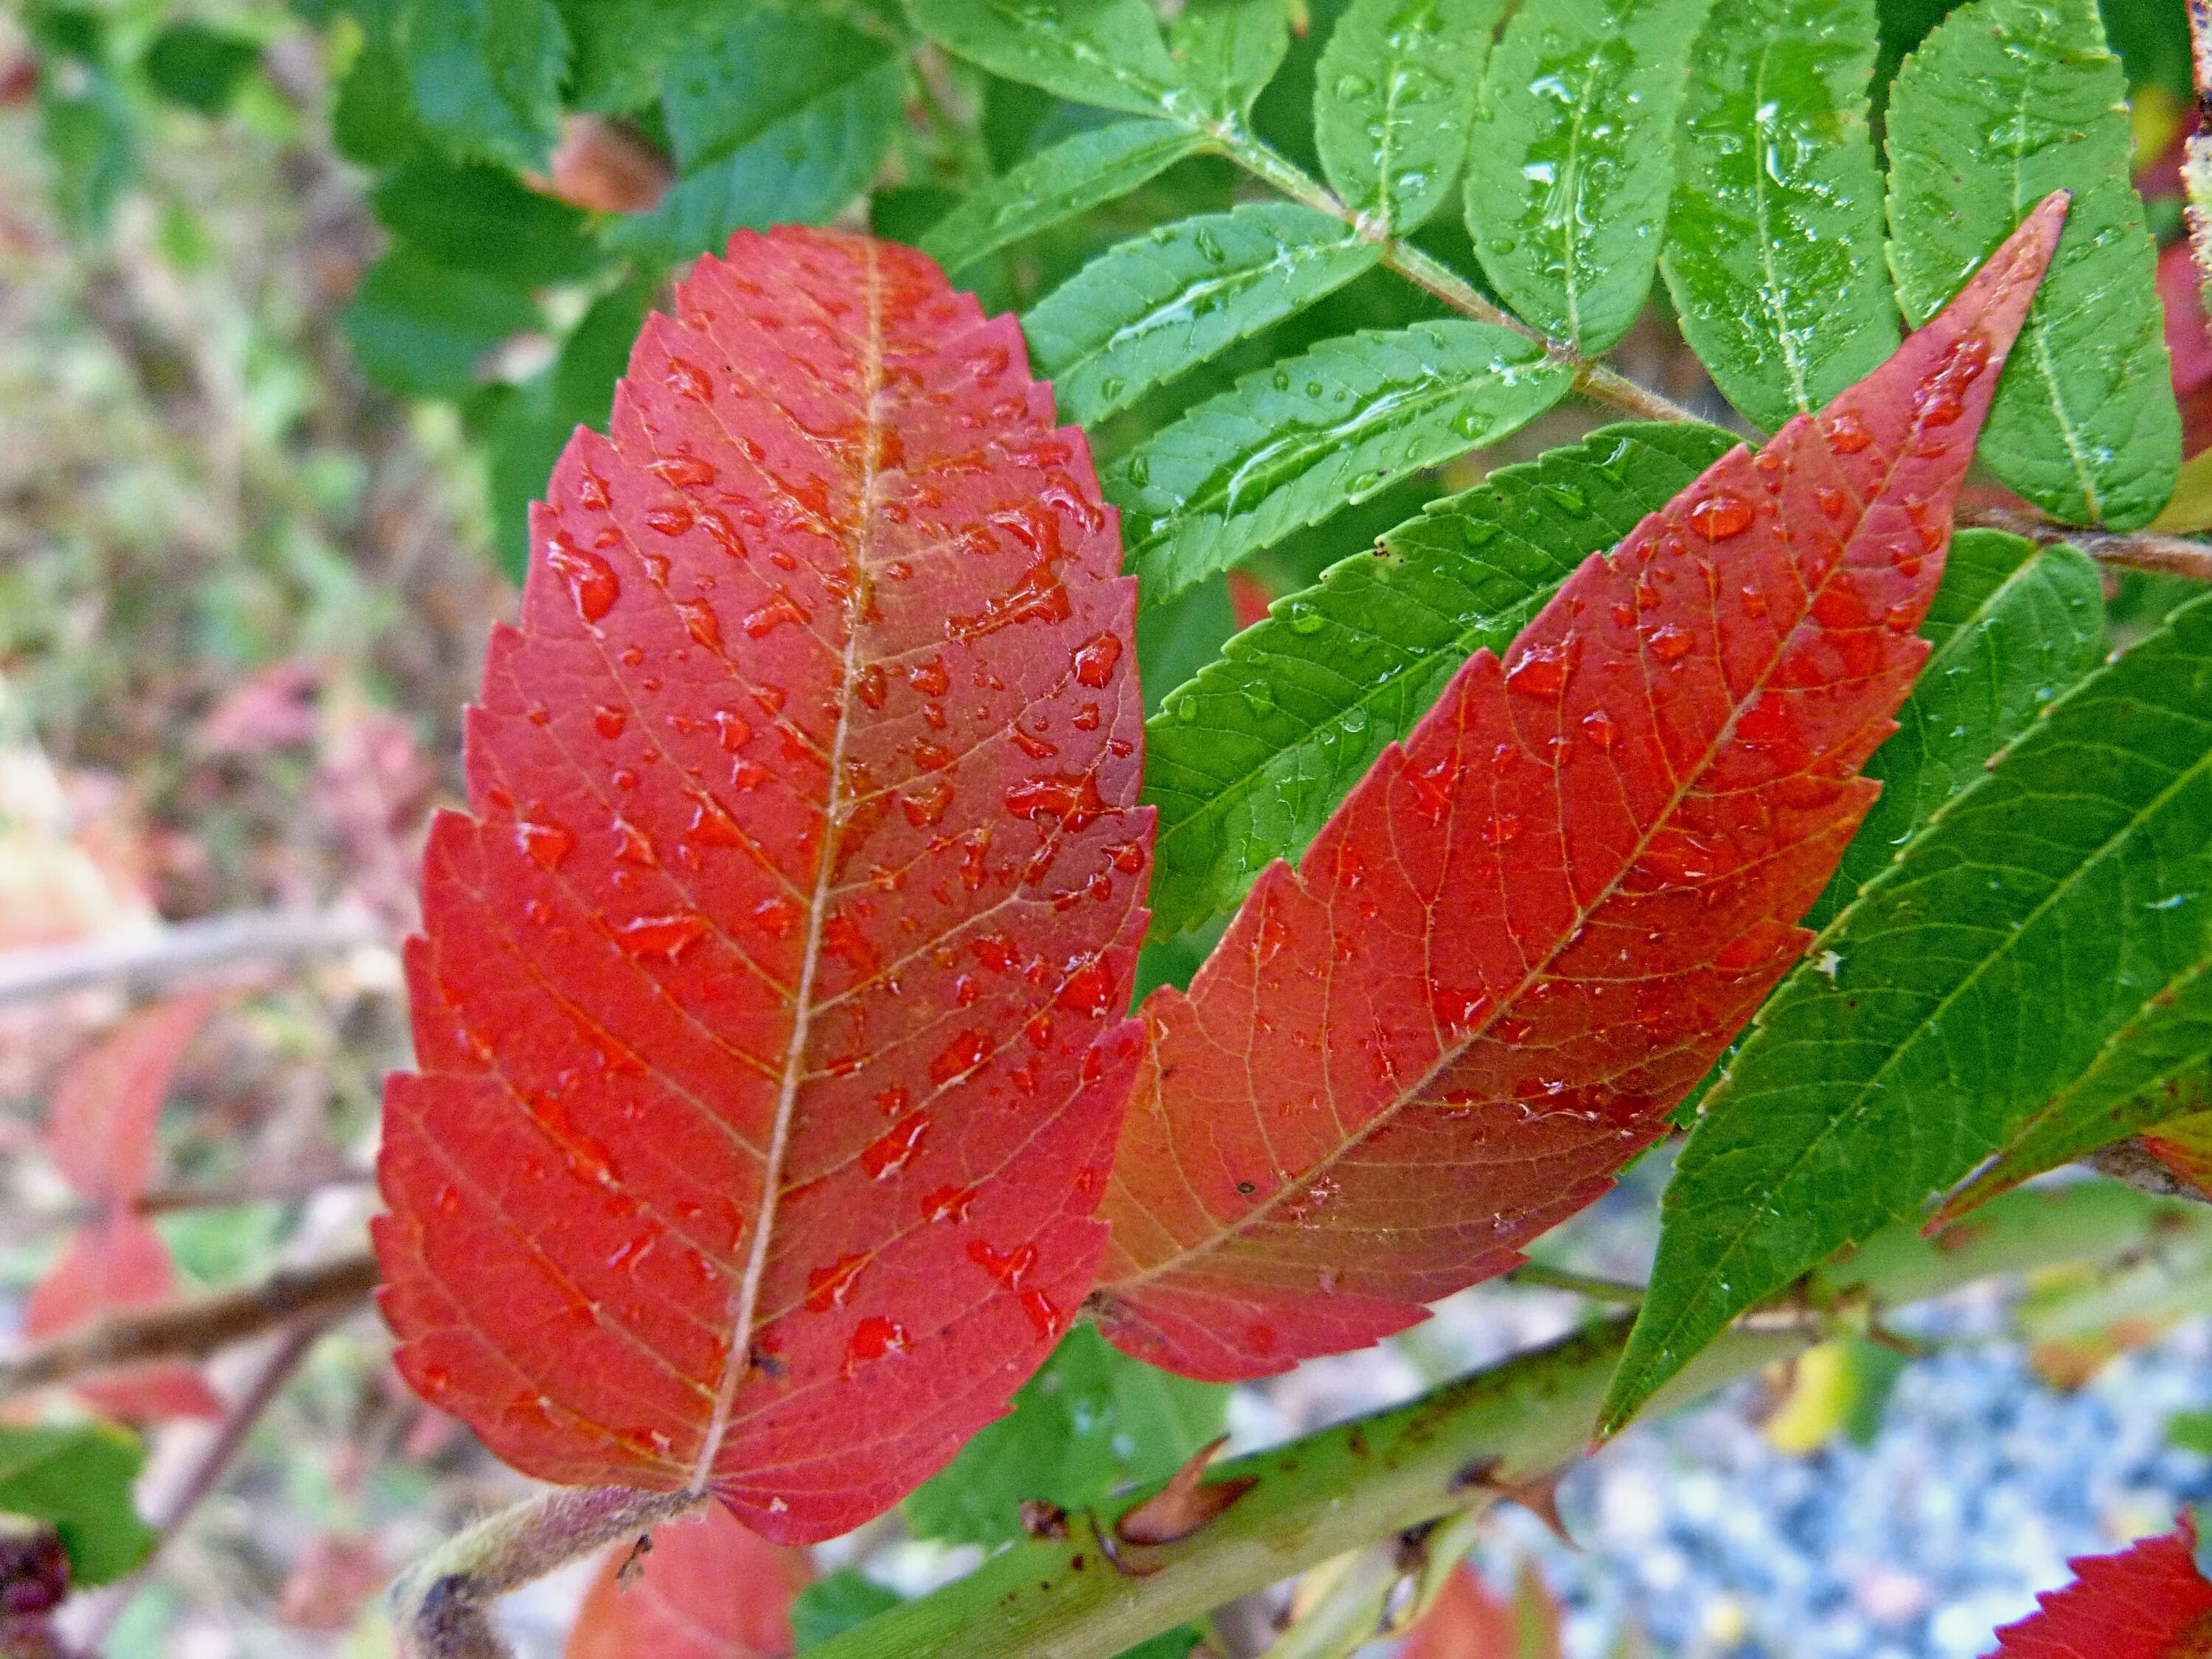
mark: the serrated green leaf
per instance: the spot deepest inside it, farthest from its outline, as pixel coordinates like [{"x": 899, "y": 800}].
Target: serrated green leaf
[
  {"x": 199, "y": 68},
  {"x": 1290, "y": 445},
  {"x": 781, "y": 118},
  {"x": 1392, "y": 98},
  {"x": 486, "y": 75},
  {"x": 1104, "y": 52},
  {"x": 1572, "y": 160},
  {"x": 2005, "y": 102},
  {"x": 88, "y": 129},
  {"x": 624, "y": 47},
  {"x": 1227, "y": 50},
  {"x": 417, "y": 328},
  {"x": 78, "y": 1479},
  {"x": 2046, "y": 908},
  {"x": 2013, "y": 627},
  {"x": 1148, "y": 308},
  {"x": 374, "y": 121},
  {"x": 471, "y": 216},
  {"x": 1773, "y": 250},
  {"x": 1089, "y": 1421},
  {"x": 1071, "y": 177},
  {"x": 1247, "y": 760}
]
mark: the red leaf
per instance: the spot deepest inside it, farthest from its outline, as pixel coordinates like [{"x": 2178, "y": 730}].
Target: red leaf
[
  {"x": 99, "y": 1130},
  {"x": 1466, "y": 1621},
  {"x": 2149, "y": 1602},
  {"x": 113, "y": 1262},
  {"x": 771, "y": 1000},
  {"x": 708, "y": 1589},
  {"x": 1526, "y": 934}
]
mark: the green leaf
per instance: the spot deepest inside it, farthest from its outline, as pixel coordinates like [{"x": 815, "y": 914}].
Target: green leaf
[
  {"x": 1089, "y": 1420},
  {"x": 471, "y": 216},
  {"x": 1149, "y": 309},
  {"x": 834, "y": 1603},
  {"x": 2005, "y": 102},
  {"x": 2047, "y": 908},
  {"x": 1572, "y": 159},
  {"x": 1774, "y": 244},
  {"x": 1228, "y": 50},
  {"x": 624, "y": 47},
  {"x": 782, "y": 118},
  {"x": 79, "y": 1480},
  {"x": 198, "y": 67},
  {"x": 89, "y": 130},
  {"x": 1392, "y": 98},
  {"x": 1246, "y": 760},
  {"x": 2012, "y": 627},
  {"x": 417, "y": 328},
  {"x": 374, "y": 121},
  {"x": 1106, "y": 52},
  {"x": 1290, "y": 445},
  {"x": 486, "y": 75},
  {"x": 1071, "y": 177}
]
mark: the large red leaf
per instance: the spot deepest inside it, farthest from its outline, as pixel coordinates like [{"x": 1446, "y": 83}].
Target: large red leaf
[
  {"x": 2149, "y": 1602},
  {"x": 709, "y": 1589},
  {"x": 101, "y": 1134},
  {"x": 1529, "y": 932},
  {"x": 770, "y": 1004}
]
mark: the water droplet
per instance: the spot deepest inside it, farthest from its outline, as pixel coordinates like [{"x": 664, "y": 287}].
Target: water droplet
[
  {"x": 1597, "y": 726},
  {"x": 966, "y": 1050},
  {"x": 1539, "y": 673},
  {"x": 1669, "y": 644},
  {"x": 1848, "y": 434},
  {"x": 609, "y": 722},
  {"x": 689, "y": 380},
  {"x": 1010, "y": 1268},
  {"x": 592, "y": 580},
  {"x": 895, "y": 1148},
  {"x": 1094, "y": 663},
  {"x": 832, "y": 1286},
  {"x": 874, "y": 1337},
  {"x": 1718, "y": 517},
  {"x": 667, "y": 936},
  {"x": 1071, "y": 798},
  {"x": 546, "y": 843},
  {"x": 947, "y": 1204},
  {"x": 701, "y": 624}
]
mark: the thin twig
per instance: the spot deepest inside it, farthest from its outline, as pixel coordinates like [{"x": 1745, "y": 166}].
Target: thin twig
[
  {"x": 204, "y": 1475},
  {"x": 283, "y": 1186},
  {"x": 191, "y": 1330},
  {"x": 1610, "y": 1290},
  {"x": 184, "y": 950},
  {"x": 2164, "y": 556}
]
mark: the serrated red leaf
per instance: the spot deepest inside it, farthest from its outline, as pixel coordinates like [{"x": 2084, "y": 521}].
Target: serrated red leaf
[
  {"x": 1526, "y": 933},
  {"x": 707, "y": 1589},
  {"x": 100, "y": 1133},
  {"x": 772, "y": 999},
  {"x": 1466, "y": 1621},
  {"x": 2149, "y": 1602}
]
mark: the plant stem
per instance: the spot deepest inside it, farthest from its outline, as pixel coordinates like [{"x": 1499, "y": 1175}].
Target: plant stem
[
  {"x": 1534, "y": 1273},
  {"x": 192, "y": 1329},
  {"x": 185, "y": 950},
  {"x": 1445, "y": 1452},
  {"x": 2134, "y": 550}
]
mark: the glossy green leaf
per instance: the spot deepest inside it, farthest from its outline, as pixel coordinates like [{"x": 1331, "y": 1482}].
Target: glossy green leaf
[
  {"x": 418, "y": 328},
  {"x": 1774, "y": 244},
  {"x": 1572, "y": 160},
  {"x": 1090, "y": 1419},
  {"x": 2006, "y": 101},
  {"x": 374, "y": 121},
  {"x": 2013, "y": 627},
  {"x": 834, "y": 1603},
  {"x": 780, "y": 119},
  {"x": 486, "y": 75},
  {"x": 1290, "y": 445},
  {"x": 471, "y": 216},
  {"x": 1149, "y": 309},
  {"x": 624, "y": 47},
  {"x": 199, "y": 68},
  {"x": 1227, "y": 50},
  {"x": 1246, "y": 760},
  {"x": 90, "y": 132},
  {"x": 79, "y": 1480},
  {"x": 2051, "y": 906},
  {"x": 1106, "y": 52},
  {"x": 1393, "y": 97},
  {"x": 1071, "y": 177}
]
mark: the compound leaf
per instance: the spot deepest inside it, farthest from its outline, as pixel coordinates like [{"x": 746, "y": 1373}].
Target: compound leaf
[
  {"x": 769, "y": 1000},
  {"x": 2064, "y": 897},
  {"x": 1071, "y": 177},
  {"x": 1774, "y": 244},
  {"x": 1249, "y": 757},
  {"x": 1572, "y": 159},
  {"x": 2007, "y": 101},
  {"x": 1151, "y": 308},
  {"x": 1293, "y": 445},
  {"x": 1393, "y": 97},
  {"x": 1228, "y": 50},
  {"x": 1105, "y": 52},
  {"x": 1528, "y": 931}
]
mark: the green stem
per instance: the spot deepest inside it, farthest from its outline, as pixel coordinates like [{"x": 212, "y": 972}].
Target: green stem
[
  {"x": 1535, "y": 1275},
  {"x": 1445, "y": 1452},
  {"x": 1430, "y": 273}
]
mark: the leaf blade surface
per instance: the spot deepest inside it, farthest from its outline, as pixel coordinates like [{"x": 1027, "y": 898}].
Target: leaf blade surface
[
  {"x": 1078, "y": 173},
  {"x": 768, "y": 1003},
  {"x": 1394, "y": 96},
  {"x": 1532, "y": 928}
]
